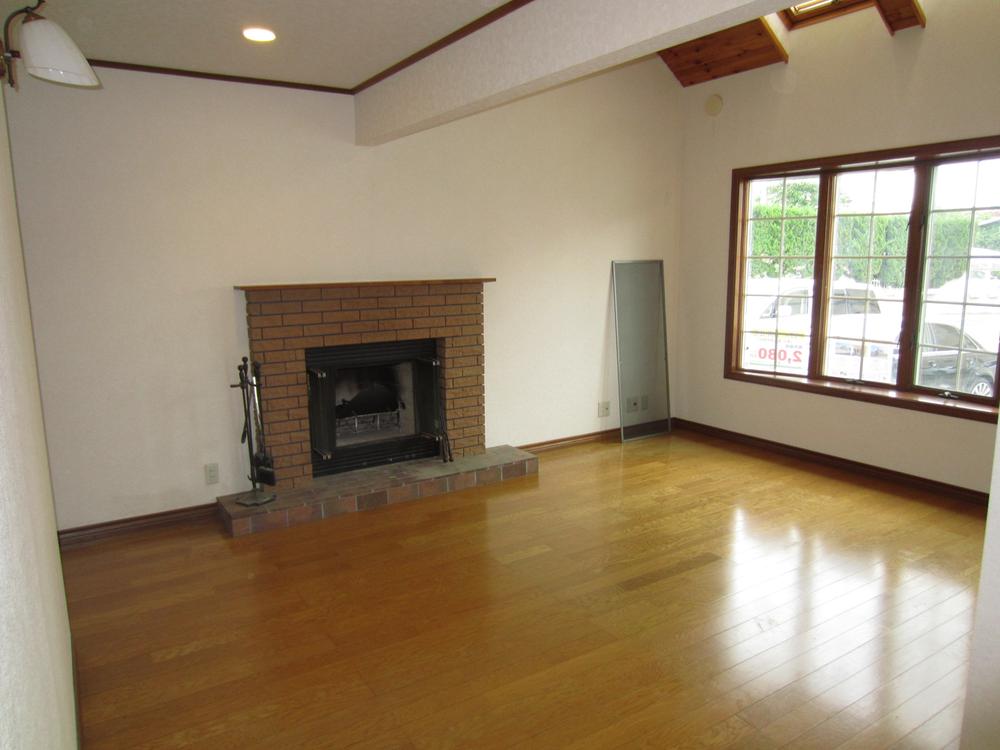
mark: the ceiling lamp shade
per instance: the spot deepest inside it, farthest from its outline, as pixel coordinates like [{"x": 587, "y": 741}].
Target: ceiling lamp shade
[{"x": 49, "y": 53}]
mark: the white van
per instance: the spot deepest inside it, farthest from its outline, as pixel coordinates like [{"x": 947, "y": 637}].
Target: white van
[{"x": 791, "y": 313}]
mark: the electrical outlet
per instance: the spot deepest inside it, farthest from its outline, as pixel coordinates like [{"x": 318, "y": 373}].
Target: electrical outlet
[
  {"x": 632, "y": 404},
  {"x": 211, "y": 473},
  {"x": 603, "y": 409},
  {"x": 645, "y": 403}
]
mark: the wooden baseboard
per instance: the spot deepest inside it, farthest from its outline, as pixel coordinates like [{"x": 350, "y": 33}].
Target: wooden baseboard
[
  {"x": 844, "y": 464},
  {"x": 98, "y": 531},
  {"x": 612, "y": 435}
]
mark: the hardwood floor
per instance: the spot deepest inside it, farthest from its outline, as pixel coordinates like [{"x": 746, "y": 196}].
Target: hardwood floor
[{"x": 676, "y": 592}]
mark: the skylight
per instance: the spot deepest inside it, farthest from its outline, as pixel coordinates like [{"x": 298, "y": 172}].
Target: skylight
[{"x": 819, "y": 10}]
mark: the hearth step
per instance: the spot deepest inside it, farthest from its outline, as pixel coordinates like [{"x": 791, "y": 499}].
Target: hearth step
[{"x": 365, "y": 489}]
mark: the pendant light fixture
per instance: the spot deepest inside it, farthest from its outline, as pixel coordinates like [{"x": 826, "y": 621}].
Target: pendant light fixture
[{"x": 46, "y": 50}]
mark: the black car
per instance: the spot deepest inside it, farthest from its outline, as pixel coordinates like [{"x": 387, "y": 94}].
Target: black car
[{"x": 942, "y": 349}]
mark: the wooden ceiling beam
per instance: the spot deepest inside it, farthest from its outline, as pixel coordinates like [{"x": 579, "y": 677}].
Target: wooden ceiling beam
[
  {"x": 745, "y": 47},
  {"x": 901, "y": 14}
]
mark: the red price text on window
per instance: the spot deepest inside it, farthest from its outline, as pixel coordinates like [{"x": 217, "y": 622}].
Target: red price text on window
[{"x": 782, "y": 355}]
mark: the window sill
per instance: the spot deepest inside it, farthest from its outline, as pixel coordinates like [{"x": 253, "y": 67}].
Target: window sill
[{"x": 874, "y": 395}]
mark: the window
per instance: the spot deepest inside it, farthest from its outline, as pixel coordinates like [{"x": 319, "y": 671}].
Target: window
[
  {"x": 781, "y": 247},
  {"x": 813, "y": 11},
  {"x": 871, "y": 214},
  {"x": 872, "y": 276}
]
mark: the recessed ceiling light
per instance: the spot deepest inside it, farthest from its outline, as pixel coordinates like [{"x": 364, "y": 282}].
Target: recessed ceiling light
[{"x": 258, "y": 34}]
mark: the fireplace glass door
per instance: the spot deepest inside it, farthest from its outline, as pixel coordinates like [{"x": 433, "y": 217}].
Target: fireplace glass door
[{"x": 373, "y": 404}]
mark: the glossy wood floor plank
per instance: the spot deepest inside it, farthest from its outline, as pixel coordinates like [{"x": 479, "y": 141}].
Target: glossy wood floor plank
[{"x": 676, "y": 592}]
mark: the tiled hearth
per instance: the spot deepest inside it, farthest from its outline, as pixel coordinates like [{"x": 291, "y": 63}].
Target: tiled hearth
[{"x": 375, "y": 487}]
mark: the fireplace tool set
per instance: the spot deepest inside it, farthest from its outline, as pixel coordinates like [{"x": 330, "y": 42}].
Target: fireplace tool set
[{"x": 261, "y": 463}]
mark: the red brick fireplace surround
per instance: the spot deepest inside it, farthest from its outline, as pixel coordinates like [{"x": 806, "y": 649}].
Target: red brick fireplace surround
[{"x": 285, "y": 320}]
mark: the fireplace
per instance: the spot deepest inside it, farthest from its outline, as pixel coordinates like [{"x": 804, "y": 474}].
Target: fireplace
[
  {"x": 364, "y": 376},
  {"x": 372, "y": 404},
  {"x": 397, "y": 402}
]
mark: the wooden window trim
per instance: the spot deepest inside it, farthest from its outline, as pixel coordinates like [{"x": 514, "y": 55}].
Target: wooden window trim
[
  {"x": 797, "y": 21},
  {"x": 873, "y": 394},
  {"x": 915, "y": 397}
]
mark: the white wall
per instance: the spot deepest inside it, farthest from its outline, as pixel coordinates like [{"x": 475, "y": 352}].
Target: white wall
[
  {"x": 36, "y": 678},
  {"x": 849, "y": 86},
  {"x": 171, "y": 190},
  {"x": 981, "y": 723}
]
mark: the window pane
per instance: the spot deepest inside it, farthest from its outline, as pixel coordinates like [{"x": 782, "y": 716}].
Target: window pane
[
  {"x": 777, "y": 307},
  {"x": 887, "y": 273},
  {"x": 848, "y": 274},
  {"x": 945, "y": 279},
  {"x": 766, "y": 194},
  {"x": 890, "y": 234},
  {"x": 950, "y": 233},
  {"x": 986, "y": 232},
  {"x": 977, "y": 372},
  {"x": 755, "y": 351},
  {"x": 988, "y": 189},
  {"x": 894, "y": 191},
  {"x": 855, "y": 193},
  {"x": 852, "y": 235},
  {"x": 797, "y": 276},
  {"x": 938, "y": 367},
  {"x": 802, "y": 196},
  {"x": 843, "y": 358},
  {"x": 960, "y": 309},
  {"x": 881, "y": 358},
  {"x": 800, "y": 237},
  {"x": 764, "y": 238},
  {"x": 982, "y": 328},
  {"x": 759, "y": 269},
  {"x": 794, "y": 315},
  {"x": 792, "y": 356},
  {"x": 864, "y": 306},
  {"x": 954, "y": 186},
  {"x": 759, "y": 312}
]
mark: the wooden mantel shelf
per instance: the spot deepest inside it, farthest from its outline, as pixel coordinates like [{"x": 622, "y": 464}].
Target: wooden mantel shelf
[{"x": 315, "y": 285}]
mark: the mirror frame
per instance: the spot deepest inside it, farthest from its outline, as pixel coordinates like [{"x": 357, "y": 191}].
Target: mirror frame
[{"x": 659, "y": 426}]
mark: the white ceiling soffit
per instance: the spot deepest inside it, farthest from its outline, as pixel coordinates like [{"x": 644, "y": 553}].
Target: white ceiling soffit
[
  {"x": 335, "y": 43},
  {"x": 543, "y": 44}
]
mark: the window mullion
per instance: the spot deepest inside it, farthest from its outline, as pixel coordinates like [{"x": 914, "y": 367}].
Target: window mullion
[
  {"x": 914, "y": 277},
  {"x": 821, "y": 274}
]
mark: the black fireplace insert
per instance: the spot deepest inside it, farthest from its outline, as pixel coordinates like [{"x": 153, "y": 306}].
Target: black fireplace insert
[{"x": 372, "y": 404}]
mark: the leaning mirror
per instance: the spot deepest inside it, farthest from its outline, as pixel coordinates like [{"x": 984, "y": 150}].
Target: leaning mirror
[{"x": 641, "y": 334}]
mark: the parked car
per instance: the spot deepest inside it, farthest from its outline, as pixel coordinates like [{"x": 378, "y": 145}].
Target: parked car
[
  {"x": 791, "y": 313},
  {"x": 844, "y": 300},
  {"x": 960, "y": 364}
]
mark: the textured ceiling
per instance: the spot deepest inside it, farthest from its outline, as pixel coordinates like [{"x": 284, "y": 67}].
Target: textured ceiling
[{"x": 338, "y": 43}]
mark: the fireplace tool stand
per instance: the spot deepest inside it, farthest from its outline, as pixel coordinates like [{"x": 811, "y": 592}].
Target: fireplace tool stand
[{"x": 261, "y": 464}]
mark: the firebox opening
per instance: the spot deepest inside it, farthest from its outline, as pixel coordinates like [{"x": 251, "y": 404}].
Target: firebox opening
[{"x": 373, "y": 404}]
